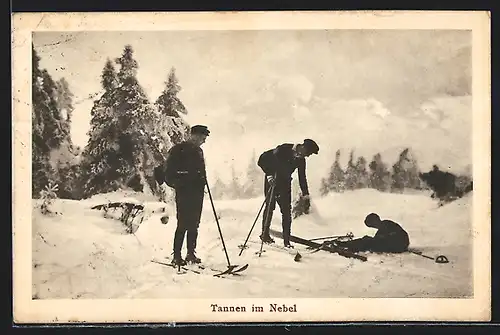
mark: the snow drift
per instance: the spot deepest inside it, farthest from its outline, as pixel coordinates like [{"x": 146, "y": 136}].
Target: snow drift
[{"x": 81, "y": 254}]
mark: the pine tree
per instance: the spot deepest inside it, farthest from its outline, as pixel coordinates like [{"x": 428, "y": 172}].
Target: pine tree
[
  {"x": 254, "y": 179},
  {"x": 138, "y": 121},
  {"x": 336, "y": 177},
  {"x": 64, "y": 159},
  {"x": 379, "y": 176},
  {"x": 40, "y": 149},
  {"x": 405, "y": 172},
  {"x": 412, "y": 179},
  {"x": 324, "y": 188},
  {"x": 102, "y": 163},
  {"x": 351, "y": 173},
  {"x": 168, "y": 102},
  {"x": 218, "y": 190},
  {"x": 50, "y": 129},
  {"x": 64, "y": 99},
  {"x": 129, "y": 136},
  {"x": 170, "y": 107},
  {"x": 234, "y": 188},
  {"x": 361, "y": 173}
]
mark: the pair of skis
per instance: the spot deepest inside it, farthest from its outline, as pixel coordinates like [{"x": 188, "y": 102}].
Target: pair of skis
[
  {"x": 309, "y": 243},
  {"x": 200, "y": 268},
  {"x": 318, "y": 246},
  {"x": 231, "y": 268}
]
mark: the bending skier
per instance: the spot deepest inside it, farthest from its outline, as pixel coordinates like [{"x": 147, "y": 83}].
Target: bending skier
[
  {"x": 278, "y": 165},
  {"x": 185, "y": 172},
  {"x": 390, "y": 237}
]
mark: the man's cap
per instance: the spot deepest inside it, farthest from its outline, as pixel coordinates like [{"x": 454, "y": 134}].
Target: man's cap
[
  {"x": 311, "y": 146},
  {"x": 200, "y": 129}
]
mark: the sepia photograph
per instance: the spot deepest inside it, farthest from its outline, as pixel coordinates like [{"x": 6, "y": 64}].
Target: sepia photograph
[{"x": 253, "y": 172}]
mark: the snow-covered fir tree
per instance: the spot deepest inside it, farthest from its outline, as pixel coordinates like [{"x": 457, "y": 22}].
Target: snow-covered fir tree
[
  {"x": 379, "y": 176},
  {"x": 139, "y": 138},
  {"x": 129, "y": 136},
  {"x": 171, "y": 109},
  {"x": 361, "y": 173},
  {"x": 101, "y": 158},
  {"x": 254, "y": 184},
  {"x": 64, "y": 98},
  {"x": 234, "y": 187},
  {"x": 336, "y": 179},
  {"x": 218, "y": 189},
  {"x": 65, "y": 158},
  {"x": 405, "y": 172},
  {"x": 51, "y": 129},
  {"x": 54, "y": 131},
  {"x": 351, "y": 173},
  {"x": 40, "y": 148}
]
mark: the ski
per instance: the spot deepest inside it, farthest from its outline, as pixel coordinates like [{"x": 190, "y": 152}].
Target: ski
[
  {"x": 234, "y": 269},
  {"x": 291, "y": 251},
  {"x": 180, "y": 269},
  {"x": 329, "y": 248}
]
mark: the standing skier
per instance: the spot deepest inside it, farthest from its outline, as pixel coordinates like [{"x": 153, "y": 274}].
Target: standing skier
[
  {"x": 185, "y": 172},
  {"x": 278, "y": 165}
]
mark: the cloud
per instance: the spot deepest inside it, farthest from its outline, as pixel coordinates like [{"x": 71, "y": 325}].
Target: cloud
[
  {"x": 300, "y": 113},
  {"x": 377, "y": 108},
  {"x": 294, "y": 88},
  {"x": 256, "y": 89}
]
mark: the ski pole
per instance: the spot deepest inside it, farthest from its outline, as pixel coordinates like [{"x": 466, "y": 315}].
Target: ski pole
[
  {"x": 267, "y": 215},
  {"x": 439, "y": 259},
  {"x": 217, "y": 221},
  {"x": 258, "y": 214},
  {"x": 420, "y": 254}
]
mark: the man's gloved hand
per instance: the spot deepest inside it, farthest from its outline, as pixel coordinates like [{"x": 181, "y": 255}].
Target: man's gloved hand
[{"x": 271, "y": 180}]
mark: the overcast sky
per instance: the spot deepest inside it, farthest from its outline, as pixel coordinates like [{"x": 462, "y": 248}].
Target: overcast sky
[{"x": 363, "y": 89}]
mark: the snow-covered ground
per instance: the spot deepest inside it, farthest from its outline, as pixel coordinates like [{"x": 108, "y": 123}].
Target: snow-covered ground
[{"x": 81, "y": 254}]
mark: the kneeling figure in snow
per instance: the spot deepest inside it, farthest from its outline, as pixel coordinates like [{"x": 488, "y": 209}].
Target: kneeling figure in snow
[{"x": 390, "y": 237}]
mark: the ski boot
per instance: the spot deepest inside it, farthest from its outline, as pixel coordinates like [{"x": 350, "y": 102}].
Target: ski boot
[
  {"x": 288, "y": 245},
  {"x": 191, "y": 258},
  {"x": 266, "y": 238},
  {"x": 178, "y": 261}
]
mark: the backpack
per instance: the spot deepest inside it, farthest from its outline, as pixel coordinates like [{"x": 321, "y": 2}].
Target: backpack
[
  {"x": 159, "y": 174},
  {"x": 170, "y": 174},
  {"x": 266, "y": 160},
  {"x": 165, "y": 173}
]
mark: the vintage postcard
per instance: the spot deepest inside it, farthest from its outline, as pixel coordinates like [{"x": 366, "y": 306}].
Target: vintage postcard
[{"x": 251, "y": 167}]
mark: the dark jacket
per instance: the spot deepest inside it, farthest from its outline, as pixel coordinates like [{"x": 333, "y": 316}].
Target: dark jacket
[
  {"x": 391, "y": 231},
  {"x": 282, "y": 162},
  {"x": 185, "y": 166}
]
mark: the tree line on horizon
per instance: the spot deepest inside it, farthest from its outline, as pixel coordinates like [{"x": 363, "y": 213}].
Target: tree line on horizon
[{"x": 404, "y": 174}]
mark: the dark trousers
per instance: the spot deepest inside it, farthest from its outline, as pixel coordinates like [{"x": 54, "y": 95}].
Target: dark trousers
[
  {"x": 283, "y": 196},
  {"x": 377, "y": 244},
  {"x": 189, "y": 203}
]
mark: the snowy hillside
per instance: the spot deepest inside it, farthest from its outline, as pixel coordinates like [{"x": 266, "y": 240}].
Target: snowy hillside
[{"x": 81, "y": 254}]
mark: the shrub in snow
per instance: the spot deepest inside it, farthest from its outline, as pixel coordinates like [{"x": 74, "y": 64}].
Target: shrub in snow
[
  {"x": 47, "y": 196},
  {"x": 131, "y": 214},
  {"x": 301, "y": 206},
  {"x": 446, "y": 186}
]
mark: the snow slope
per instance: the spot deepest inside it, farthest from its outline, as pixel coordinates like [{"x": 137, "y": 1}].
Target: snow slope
[{"x": 81, "y": 254}]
